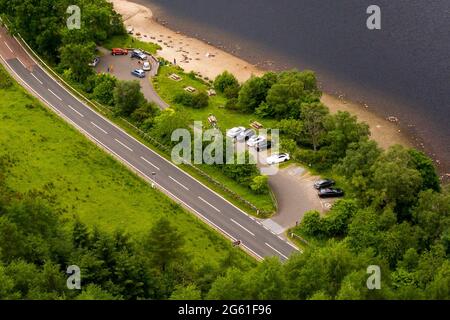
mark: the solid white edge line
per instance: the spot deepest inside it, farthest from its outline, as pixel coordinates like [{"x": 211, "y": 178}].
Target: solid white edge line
[
  {"x": 75, "y": 110},
  {"x": 150, "y": 163},
  {"x": 276, "y": 251},
  {"x": 242, "y": 227},
  {"x": 123, "y": 145},
  {"x": 99, "y": 128},
  {"x": 54, "y": 94},
  {"x": 209, "y": 204},
  {"x": 180, "y": 184},
  {"x": 133, "y": 138},
  {"x": 37, "y": 78},
  {"x": 131, "y": 166}
]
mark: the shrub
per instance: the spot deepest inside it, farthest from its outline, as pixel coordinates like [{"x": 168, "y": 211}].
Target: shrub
[
  {"x": 260, "y": 185},
  {"x": 5, "y": 79},
  {"x": 224, "y": 81},
  {"x": 198, "y": 100}
]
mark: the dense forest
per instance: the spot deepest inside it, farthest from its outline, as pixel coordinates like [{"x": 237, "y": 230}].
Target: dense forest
[{"x": 396, "y": 214}]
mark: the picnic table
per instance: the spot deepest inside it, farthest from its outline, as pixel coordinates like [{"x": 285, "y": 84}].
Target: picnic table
[
  {"x": 256, "y": 125},
  {"x": 212, "y": 120}
]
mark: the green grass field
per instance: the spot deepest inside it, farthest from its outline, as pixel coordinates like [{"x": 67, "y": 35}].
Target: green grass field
[
  {"x": 48, "y": 154},
  {"x": 168, "y": 88},
  {"x": 126, "y": 41}
]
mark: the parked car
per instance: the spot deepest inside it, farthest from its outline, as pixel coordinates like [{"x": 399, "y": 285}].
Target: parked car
[
  {"x": 138, "y": 73},
  {"x": 330, "y": 193},
  {"x": 138, "y": 54},
  {"x": 119, "y": 52},
  {"x": 278, "y": 158},
  {"x": 325, "y": 183},
  {"x": 263, "y": 145},
  {"x": 95, "y": 62},
  {"x": 254, "y": 140},
  {"x": 234, "y": 132},
  {"x": 146, "y": 66},
  {"x": 130, "y": 29},
  {"x": 245, "y": 135}
]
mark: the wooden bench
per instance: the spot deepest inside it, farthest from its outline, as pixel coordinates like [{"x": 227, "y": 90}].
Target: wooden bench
[
  {"x": 190, "y": 89},
  {"x": 256, "y": 125}
]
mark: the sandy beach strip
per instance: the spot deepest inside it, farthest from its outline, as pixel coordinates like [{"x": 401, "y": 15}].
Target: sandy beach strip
[{"x": 208, "y": 61}]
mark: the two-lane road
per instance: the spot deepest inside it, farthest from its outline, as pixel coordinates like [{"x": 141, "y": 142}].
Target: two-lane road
[{"x": 205, "y": 203}]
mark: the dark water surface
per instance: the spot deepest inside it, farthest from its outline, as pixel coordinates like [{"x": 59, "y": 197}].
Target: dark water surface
[{"x": 401, "y": 70}]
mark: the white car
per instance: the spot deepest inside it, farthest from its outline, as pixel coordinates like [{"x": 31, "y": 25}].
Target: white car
[
  {"x": 234, "y": 132},
  {"x": 278, "y": 158},
  {"x": 147, "y": 66},
  {"x": 253, "y": 141}
]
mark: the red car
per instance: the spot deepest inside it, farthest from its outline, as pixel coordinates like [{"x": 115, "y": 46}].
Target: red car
[{"x": 119, "y": 51}]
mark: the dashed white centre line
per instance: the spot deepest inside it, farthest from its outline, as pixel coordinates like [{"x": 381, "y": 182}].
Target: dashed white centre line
[
  {"x": 150, "y": 163},
  {"x": 55, "y": 94},
  {"x": 99, "y": 128},
  {"x": 7, "y": 46},
  {"x": 243, "y": 227},
  {"x": 180, "y": 184},
  {"x": 21, "y": 63},
  {"x": 123, "y": 145},
  {"x": 276, "y": 251},
  {"x": 37, "y": 78},
  {"x": 76, "y": 111},
  {"x": 209, "y": 204}
]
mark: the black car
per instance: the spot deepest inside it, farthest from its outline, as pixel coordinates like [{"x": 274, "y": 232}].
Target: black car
[
  {"x": 330, "y": 193},
  {"x": 263, "y": 145},
  {"x": 325, "y": 183}
]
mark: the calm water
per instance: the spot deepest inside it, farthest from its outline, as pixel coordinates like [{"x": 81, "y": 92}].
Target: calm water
[{"x": 402, "y": 70}]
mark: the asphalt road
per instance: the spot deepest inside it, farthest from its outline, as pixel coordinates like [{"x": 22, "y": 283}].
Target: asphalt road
[{"x": 205, "y": 203}]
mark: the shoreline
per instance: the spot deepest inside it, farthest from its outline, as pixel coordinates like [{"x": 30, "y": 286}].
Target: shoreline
[{"x": 208, "y": 61}]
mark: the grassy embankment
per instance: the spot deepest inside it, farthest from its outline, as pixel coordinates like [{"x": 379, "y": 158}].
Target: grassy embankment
[
  {"x": 49, "y": 155},
  {"x": 168, "y": 89}
]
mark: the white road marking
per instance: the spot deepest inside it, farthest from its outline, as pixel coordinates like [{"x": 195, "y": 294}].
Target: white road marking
[
  {"x": 99, "y": 128},
  {"x": 21, "y": 63},
  {"x": 243, "y": 227},
  {"x": 293, "y": 246},
  {"x": 37, "y": 79},
  {"x": 280, "y": 237},
  {"x": 79, "y": 113},
  {"x": 276, "y": 251},
  {"x": 54, "y": 94},
  {"x": 8, "y": 46},
  {"x": 124, "y": 145},
  {"x": 150, "y": 163},
  {"x": 182, "y": 185},
  {"x": 209, "y": 204}
]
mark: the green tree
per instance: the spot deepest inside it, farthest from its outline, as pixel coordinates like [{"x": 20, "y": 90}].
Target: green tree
[
  {"x": 313, "y": 116},
  {"x": 427, "y": 170},
  {"x": 164, "y": 244},
  {"x": 128, "y": 97},
  {"x": 260, "y": 184},
  {"x": 254, "y": 91},
  {"x": 189, "y": 292},
  {"x": 94, "y": 292},
  {"x": 76, "y": 58},
  {"x": 225, "y": 81},
  {"x": 104, "y": 89}
]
